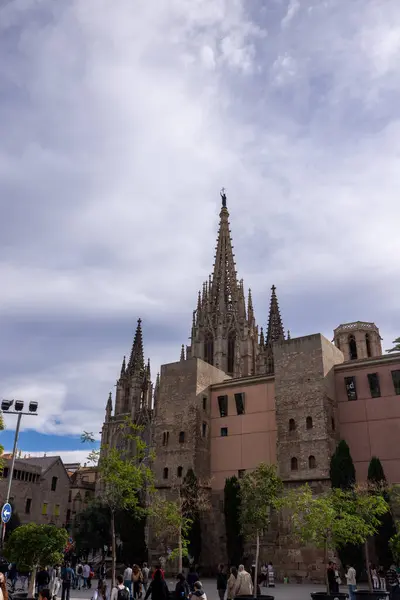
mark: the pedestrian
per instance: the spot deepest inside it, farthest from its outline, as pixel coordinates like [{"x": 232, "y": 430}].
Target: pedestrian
[
  {"x": 146, "y": 575},
  {"x": 158, "y": 588},
  {"x": 332, "y": 584},
  {"x": 67, "y": 577},
  {"x": 137, "y": 579},
  {"x": 382, "y": 580},
  {"x": 120, "y": 591},
  {"x": 351, "y": 581},
  {"x": 392, "y": 582},
  {"x": 232, "y": 583},
  {"x": 42, "y": 579},
  {"x": 264, "y": 575},
  {"x": 86, "y": 575},
  {"x": 244, "y": 584},
  {"x": 55, "y": 581},
  {"x": 3, "y": 587},
  {"x": 182, "y": 590},
  {"x": 128, "y": 579},
  {"x": 192, "y": 577},
  {"x": 79, "y": 574},
  {"x": 374, "y": 577},
  {"x": 222, "y": 581},
  {"x": 198, "y": 591},
  {"x": 271, "y": 575}
]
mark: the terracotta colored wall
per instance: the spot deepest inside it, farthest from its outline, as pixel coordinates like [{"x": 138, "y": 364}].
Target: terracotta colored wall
[
  {"x": 371, "y": 426},
  {"x": 251, "y": 437}
]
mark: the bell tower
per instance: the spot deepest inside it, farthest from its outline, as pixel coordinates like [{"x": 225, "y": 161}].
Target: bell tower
[{"x": 358, "y": 340}]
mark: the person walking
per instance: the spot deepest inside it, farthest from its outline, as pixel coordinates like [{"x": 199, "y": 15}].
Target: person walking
[
  {"x": 158, "y": 588},
  {"x": 79, "y": 574},
  {"x": 331, "y": 576},
  {"x": 146, "y": 576},
  {"x": 137, "y": 579},
  {"x": 182, "y": 590},
  {"x": 192, "y": 577},
  {"x": 244, "y": 584},
  {"x": 67, "y": 577},
  {"x": 86, "y": 575},
  {"x": 222, "y": 581},
  {"x": 198, "y": 591},
  {"x": 231, "y": 585},
  {"x": 128, "y": 579},
  {"x": 271, "y": 575},
  {"x": 120, "y": 591},
  {"x": 351, "y": 581}
]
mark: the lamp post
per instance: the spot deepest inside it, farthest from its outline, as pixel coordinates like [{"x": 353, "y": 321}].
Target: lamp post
[{"x": 6, "y": 406}]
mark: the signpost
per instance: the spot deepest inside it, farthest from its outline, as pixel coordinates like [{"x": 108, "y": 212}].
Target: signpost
[{"x": 6, "y": 512}]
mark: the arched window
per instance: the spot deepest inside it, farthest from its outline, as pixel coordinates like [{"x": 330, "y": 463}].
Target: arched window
[
  {"x": 333, "y": 424},
  {"x": 209, "y": 349},
  {"x": 293, "y": 464},
  {"x": 368, "y": 344},
  {"x": 312, "y": 462},
  {"x": 181, "y": 437},
  {"x": 179, "y": 471},
  {"x": 309, "y": 423},
  {"x": 292, "y": 425},
  {"x": 352, "y": 347},
  {"x": 231, "y": 351},
  {"x": 165, "y": 473}
]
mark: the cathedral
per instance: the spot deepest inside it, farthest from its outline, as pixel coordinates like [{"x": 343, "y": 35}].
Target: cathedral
[{"x": 239, "y": 396}]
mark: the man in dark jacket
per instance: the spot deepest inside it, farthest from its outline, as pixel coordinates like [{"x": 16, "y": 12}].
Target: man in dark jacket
[{"x": 222, "y": 582}]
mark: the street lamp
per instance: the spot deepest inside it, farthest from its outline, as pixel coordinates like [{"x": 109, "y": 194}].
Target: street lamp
[{"x": 6, "y": 406}]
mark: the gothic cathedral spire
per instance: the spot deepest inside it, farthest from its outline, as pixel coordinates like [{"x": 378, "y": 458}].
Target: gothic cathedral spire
[
  {"x": 222, "y": 335},
  {"x": 275, "y": 333}
]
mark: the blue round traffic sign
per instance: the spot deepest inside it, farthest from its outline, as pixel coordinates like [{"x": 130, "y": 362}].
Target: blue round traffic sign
[{"x": 6, "y": 513}]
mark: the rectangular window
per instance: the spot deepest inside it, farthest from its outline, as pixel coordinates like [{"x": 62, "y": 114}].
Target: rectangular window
[
  {"x": 374, "y": 386},
  {"x": 350, "y": 383},
  {"x": 223, "y": 405},
  {"x": 239, "y": 401},
  {"x": 241, "y": 473},
  {"x": 165, "y": 438},
  {"x": 396, "y": 381},
  {"x": 44, "y": 508},
  {"x": 56, "y": 510},
  {"x": 224, "y": 431},
  {"x": 204, "y": 429},
  {"x": 181, "y": 437},
  {"x": 28, "y": 505},
  {"x": 204, "y": 402},
  {"x": 54, "y": 483}
]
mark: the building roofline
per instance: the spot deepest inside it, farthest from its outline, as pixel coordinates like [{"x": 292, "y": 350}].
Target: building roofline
[
  {"x": 240, "y": 381},
  {"x": 376, "y": 360}
]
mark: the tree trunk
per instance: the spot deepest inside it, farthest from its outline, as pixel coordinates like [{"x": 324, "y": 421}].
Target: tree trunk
[
  {"x": 255, "y": 582},
  {"x": 113, "y": 549},
  {"x": 368, "y": 569},
  {"x": 31, "y": 586},
  {"x": 180, "y": 558},
  {"x": 325, "y": 563}
]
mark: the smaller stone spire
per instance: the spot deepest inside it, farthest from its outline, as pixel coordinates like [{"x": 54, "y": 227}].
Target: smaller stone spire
[
  {"x": 288, "y": 334},
  {"x": 262, "y": 340},
  {"x": 182, "y": 352},
  {"x": 109, "y": 407},
  {"x": 136, "y": 360},
  {"x": 123, "y": 367},
  {"x": 250, "y": 309},
  {"x": 275, "y": 330}
]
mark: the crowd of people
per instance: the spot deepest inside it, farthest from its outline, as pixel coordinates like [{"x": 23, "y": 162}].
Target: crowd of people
[{"x": 381, "y": 580}]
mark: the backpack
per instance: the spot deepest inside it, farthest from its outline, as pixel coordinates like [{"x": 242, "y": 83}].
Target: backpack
[
  {"x": 123, "y": 594},
  {"x": 66, "y": 575},
  {"x": 80, "y": 570}
]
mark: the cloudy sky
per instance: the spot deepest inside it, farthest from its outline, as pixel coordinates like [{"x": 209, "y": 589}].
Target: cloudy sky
[{"x": 121, "y": 121}]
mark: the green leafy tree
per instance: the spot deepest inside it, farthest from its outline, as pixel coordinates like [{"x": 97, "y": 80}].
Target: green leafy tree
[
  {"x": 387, "y": 529},
  {"x": 234, "y": 538},
  {"x": 335, "y": 518},
  {"x": 192, "y": 504},
  {"x": 31, "y": 546},
  {"x": 342, "y": 470},
  {"x": 124, "y": 477},
  {"x": 396, "y": 347},
  {"x": 92, "y": 528},
  {"x": 259, "y": 492}
]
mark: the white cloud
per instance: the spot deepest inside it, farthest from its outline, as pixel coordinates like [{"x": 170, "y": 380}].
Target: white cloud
[{"x": 119, "y": 127}]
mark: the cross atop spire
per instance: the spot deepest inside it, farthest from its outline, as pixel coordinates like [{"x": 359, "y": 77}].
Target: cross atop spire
[
  {"x": 136, "y": 360},
  {"x": 275, "y": 330}
]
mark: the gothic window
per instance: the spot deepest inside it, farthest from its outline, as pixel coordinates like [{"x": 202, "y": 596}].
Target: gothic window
[
  {"x": 165, "y": 473},
  {"x": 231, "y": 351},
  {"x": 352, "y": 347},
  {"x": 309, "y": 423},
  {"x": 223, "y": 406},
  {"x": 312, "y": 463},
  {"x": 350, "y": 383},
  {"x": 239, "y": 401},
  {"x": 368, "y": 344},
  {"x": 179, "y": 471},
  {"x": 165, "y": 438},
  {"x": 292, "y": 425},
  {"x": 181, "y": 437},
  {"x": 209, "y": 349},
  {"x": 374, "y": 386},
  {"x": 333, "y": 424},
  {"x": 293, "y": 464}
]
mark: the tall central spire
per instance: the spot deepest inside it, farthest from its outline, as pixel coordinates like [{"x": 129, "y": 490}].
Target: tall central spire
[
  {"x": 223, "y": 289},
  {"x": 222, "y": 334}
]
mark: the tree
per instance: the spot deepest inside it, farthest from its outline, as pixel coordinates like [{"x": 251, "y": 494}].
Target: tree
[
  {"x": 30, "y": 546},
  {"x": 259, "y": 492},
  {"x": 396, "y": 347},
  {"x": 234, "y": 538},
  {"x": 192, "y": 504},
  {"x": 124, "y": 477},
  {"x": 335, "y": 518},
  {"x": 342, "y": 472},
  {"x": 92, "y": 527},
  {"x": 387, "y": 529}
]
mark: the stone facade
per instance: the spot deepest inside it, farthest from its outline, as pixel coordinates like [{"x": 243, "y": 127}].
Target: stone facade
[
  {"x": 238, "y": 398},
  {"x": 39, "y": 490},
  {"x": 81, "y": 492}
]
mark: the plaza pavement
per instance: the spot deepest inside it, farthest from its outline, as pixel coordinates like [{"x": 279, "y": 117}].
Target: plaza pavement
[{"x": 290, "y": 591}]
